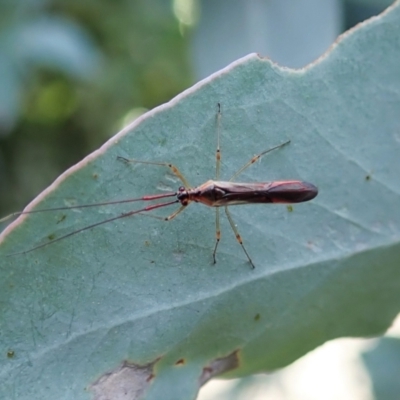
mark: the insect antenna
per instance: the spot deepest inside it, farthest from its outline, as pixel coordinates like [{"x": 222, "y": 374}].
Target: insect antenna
[
  {"x": 106, "y": 203},
  {"x": 123, "y": 215}
]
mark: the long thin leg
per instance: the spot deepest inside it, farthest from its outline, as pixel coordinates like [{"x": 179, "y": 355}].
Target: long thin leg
[
  {"x": 217, "y": 170},
  {"x": 172, "y": 216},
  {"x": 238, "y": 237},
  {"x": 217, "y": 233},
  {"x": 218, "y": 151},
  {"x": 218, "y": 167},
  {"x": 172, "y": 167},
  {"x": 254, "y": 159}
]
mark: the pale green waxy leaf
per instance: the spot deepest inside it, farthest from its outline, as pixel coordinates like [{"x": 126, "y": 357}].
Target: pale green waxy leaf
[
  {"x": 383, "y": 363},
  {"x": 136, "y": 306}
]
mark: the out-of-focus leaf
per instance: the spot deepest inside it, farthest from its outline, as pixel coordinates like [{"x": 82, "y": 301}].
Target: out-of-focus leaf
[
  {"x": 9, "y": 94},
  {"x": 56, "y": 43},
  {"x": 50, "y": 42}
]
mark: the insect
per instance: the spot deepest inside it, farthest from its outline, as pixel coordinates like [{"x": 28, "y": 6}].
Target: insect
[{"x": 213, "y": 193}]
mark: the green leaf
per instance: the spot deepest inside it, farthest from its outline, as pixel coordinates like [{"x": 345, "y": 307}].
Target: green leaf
[{"x": 137, "y": 306}]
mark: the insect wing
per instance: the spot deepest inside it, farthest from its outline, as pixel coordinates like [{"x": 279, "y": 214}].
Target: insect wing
[
  {"x": 235, "y": 193},
  {"x": 291, "y": 191}
]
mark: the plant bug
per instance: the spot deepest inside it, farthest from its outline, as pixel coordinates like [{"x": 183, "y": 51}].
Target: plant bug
[{"x": 213, "y": 193}]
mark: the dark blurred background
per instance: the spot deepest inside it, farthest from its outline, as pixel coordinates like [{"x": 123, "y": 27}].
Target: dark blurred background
[{"x": 73, "y": 73}]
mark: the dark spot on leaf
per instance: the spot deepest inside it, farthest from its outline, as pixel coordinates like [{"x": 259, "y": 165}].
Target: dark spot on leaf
[
  {"x": 180, "y": 361},
  {"x": 61, "y": 219},
  {"x": 289, "y": 208},
  {"x": 257, "y": 317},
  {"x": 151, "y": 376},
  {"x": 368, "y": 177},
  {"x": 219, "y": 366},
  {"x": 10, "y": 353},
  {"x": 52, "y": 236}
]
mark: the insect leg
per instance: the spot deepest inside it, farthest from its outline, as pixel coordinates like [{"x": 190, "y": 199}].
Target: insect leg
[
  {"x": 238, "y": 237},
  {"x": 256, "y": 158},
  {"x": 217, "y": 233},
  {"x": 217, "y": 169},
  {"x": 172, "y": 216},
  {"x": 218, "y": 151},
  {"x": 172, "y": 167}
]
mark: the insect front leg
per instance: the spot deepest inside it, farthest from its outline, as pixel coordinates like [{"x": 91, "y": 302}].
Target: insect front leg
[
  {"x": 169, "y": 217},
  {"x": 172, "y": 167}
]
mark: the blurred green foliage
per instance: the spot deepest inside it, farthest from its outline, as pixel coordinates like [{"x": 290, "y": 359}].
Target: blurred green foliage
[{"x": 70, "y": 72}]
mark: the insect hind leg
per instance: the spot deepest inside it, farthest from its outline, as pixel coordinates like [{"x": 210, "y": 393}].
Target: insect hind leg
[
  {"x": 237, "y": 235},
  {"x": 217, "y": 233}
]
